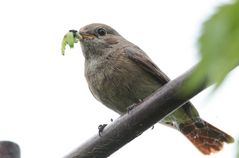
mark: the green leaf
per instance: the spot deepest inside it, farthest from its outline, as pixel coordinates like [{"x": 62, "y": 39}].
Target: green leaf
[
  {"x": 219, "y": 44},
  {"x": 69, "y": 39}
]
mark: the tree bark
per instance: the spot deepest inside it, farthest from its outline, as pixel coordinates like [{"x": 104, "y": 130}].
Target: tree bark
[{"x": 9, "y": 150}]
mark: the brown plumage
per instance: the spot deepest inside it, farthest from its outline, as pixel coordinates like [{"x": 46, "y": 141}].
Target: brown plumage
[
  {"x": 120, "y": 74},
  {"x": 207, "y": 138}
]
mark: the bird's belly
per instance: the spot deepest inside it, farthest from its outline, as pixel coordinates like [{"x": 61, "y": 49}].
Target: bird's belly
[{"x": 121, "y": 87}]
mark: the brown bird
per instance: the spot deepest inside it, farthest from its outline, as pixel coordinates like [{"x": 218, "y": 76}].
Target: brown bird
[{"x": 120, "y": 74}]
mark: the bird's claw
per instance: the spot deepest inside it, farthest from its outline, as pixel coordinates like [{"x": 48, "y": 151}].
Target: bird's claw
[
  {"x": 131, "y": 107},
  {"x": 101, "y": 128}
]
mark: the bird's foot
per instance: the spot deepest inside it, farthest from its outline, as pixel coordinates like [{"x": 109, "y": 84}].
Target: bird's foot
[
  {"x": 131, "y": 107},
  {"x": 101, "y": 128}
]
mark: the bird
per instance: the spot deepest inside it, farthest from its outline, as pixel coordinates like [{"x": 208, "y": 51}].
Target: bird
[{"x": 120, "y": 74}]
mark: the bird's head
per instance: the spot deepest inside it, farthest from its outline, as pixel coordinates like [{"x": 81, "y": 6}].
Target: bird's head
[{"x": 97, "y": 38}]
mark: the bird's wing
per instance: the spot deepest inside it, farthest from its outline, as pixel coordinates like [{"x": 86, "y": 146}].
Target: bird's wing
[{"x": 139, "y": 57}]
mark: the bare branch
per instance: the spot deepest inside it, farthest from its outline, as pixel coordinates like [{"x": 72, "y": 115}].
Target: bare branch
[
  {"x": 132, "y": 124},
  {"x": 9, "y": 150}
]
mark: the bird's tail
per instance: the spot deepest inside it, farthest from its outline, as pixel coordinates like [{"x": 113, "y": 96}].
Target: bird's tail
[{"x": 207, "y": 138}]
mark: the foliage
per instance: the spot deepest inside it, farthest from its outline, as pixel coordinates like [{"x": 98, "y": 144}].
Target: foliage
[
  {"x": 219, "y": 45},
  {"x": 237, "y": 155}
]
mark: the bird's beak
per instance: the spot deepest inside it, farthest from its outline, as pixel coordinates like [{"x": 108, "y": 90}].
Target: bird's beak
[
  {"x": 81, "y": 35},
  {"x": 84, "y": 36}
]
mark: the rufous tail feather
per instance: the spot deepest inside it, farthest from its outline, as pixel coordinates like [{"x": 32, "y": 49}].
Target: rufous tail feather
[{"x": 207, "y": 138}]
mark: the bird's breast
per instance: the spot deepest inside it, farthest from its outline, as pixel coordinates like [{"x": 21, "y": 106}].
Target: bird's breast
[{"x": 118, "y": 82}]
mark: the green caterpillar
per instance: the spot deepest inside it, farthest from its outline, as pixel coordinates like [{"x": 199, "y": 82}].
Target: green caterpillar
[{"x": 70, "y": 39}]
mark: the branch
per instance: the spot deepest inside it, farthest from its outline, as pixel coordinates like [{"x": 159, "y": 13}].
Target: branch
[
  {"x": 143, "y": 116},
  {"x": 9, "y": 150}
]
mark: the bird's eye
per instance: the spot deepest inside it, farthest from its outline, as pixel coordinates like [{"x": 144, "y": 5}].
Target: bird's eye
[{"x": 101, "y": 32}]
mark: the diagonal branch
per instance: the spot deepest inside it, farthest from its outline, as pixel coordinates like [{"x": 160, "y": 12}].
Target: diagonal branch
[
  {"x": 132, "y": 124},
  {"x": 9, "y": 150}
]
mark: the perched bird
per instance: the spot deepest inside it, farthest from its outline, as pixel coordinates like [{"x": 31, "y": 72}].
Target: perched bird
[{"x": 120, "y": 74}]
